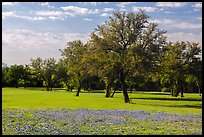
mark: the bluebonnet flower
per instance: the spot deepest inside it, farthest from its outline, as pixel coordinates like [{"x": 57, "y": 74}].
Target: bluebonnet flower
[{"x": 86, "y": 122}]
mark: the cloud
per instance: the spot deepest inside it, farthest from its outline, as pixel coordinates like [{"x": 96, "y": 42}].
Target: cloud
[
  {"x": 8, "y": 14},
  {"x": 196, "y": 9},
  {"x": 49, "y": 13},
  {"x": 95, "y": 11},
  {"x": 108, "y": 9},
  {"x": 95, "y": 3},
  {"x": 105, "y": 15},
  {"x": 74, "y": 10},
  {"x": 187, "y": 25},
  {"x": 31, "y": 18},
  {"x": 170, "y": 4},
  {"x": 169, "y": 23},
  {"x": 147, "y": 9},
  {"x": 46, "y": 4},
  {"x": 197, "y": 5},
  {"x": 122, "y": 5},
  {"x": 20, "y": 45},
  {"x": 9, "y": 3},
  {"x": 181, "y": 36},
  {"x": 199, "y": 18},
  {"x": 169, "y": 12},
  {"x": 55, "y": 18},
  {"x": 86, "y": 19},
  {"x": 162, "y": 21},
  {"x": 12, "y": 14}
]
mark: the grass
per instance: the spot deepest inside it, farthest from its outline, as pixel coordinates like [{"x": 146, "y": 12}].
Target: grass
[
  {"x": 33, "y": 111},
  {"x": 35, "y": 98}
]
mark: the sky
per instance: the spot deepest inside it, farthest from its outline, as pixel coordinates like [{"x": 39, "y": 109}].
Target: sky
[{"x": 40, "y": 29}]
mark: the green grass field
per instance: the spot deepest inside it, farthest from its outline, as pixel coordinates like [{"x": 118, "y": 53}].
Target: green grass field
[
  {"x": 35, "y": 98},
  {"x": 32, "y": 111}
]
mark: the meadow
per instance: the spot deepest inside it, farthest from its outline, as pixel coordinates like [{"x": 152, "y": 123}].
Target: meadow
[{"x": 36, "y": 111}]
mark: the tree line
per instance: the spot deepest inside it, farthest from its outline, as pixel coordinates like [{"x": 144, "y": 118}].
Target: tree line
[{"x": 125, "y": 53}]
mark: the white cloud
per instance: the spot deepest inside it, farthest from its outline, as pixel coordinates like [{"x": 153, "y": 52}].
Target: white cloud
[
  {"x": 46, "y": 4},
  {"x": 8, "y": 14},
  {"x": 147, "y": 9},
  {"x": 169, "y": 23},
  {"x": 12, "y": 14},
  {"x": 199, "y": 18},
  {"x": 181, "y": 36},
  {"x": 19, "y": 45},
  {"x": 94, "y": 3},
  {"x": 196, "y": 9},
  {"x": 86, "y": 19},
  {"x": 197, "y": 5},
  {"x": 49, "y": 13},
  {"x": 31, "y": 18},
  {"x": 169, "y": 12},
  {"x": 187, "y": 25},
  {"x": 55, "y": 18},
  {"x": 105, "y": 15},
  {"x": 108, "y": 9},
  {"x": 170, "y": 4},
  {"x": 162, "y": 21},
  {"x": 122, "y": 5},
  {"x": 9, "y": 3},
  {"x": 74, "y": 10},
  {"x": 95, "y": 11}
]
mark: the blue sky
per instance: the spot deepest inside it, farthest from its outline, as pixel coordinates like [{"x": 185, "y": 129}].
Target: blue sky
[{"x": 39, "y": 29}]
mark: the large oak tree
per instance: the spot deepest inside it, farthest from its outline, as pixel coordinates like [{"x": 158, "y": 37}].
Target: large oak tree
[{"x": 129, "y": 43}]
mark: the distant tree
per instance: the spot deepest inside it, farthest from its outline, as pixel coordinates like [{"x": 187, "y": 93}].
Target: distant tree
[
  {"x": 26, "y": 76},
  {"x": 62, "y": 74},
  {"x": 5, "y": 70},
  {"x": 15, "y": 75},
  {"x": 176, "y": 63},
  {"x": 45, "y": 70}
]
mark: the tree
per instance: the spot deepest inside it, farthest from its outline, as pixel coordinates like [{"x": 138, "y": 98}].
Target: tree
[
  {"x": 15, "y": 74},
  {"x": 62, "y": 74},
  {"x": 5, "y": 70},
  {"x": 26, "y": 76},
  {"x": 45, "y": 70},
  {"x": 129, "y": 43},
  {"x": 75, "y": 57},
  {"x": 176, "y": 63}
]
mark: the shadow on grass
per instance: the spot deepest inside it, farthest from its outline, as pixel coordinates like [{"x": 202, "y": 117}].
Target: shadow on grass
[
  {"x": 181, "y": 106},
  {"x": 170, "y": 99},
  {"x": 177, "y": 106}
]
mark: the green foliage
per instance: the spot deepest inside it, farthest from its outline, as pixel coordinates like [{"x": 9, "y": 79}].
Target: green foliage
[
  {"x": 175, "y": 65},
  {"x": 45, "y": 70},
  {"x": 127, "y": 44}
]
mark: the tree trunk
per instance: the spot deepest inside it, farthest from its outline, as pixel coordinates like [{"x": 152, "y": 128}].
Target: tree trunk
[
  {"x": 108, "y": 91},
  {"x": 124, "y": 87},
  {"x": 16, "y": 83},
  {"x": 172, "y": 93},
  {"x": 198, "y": 88},
  {"x": 182, "y": 90},
  {"x": 47, "y": 88},
  {"x": 78, "y": 90},
  {"x": 113, "y": 93}
]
